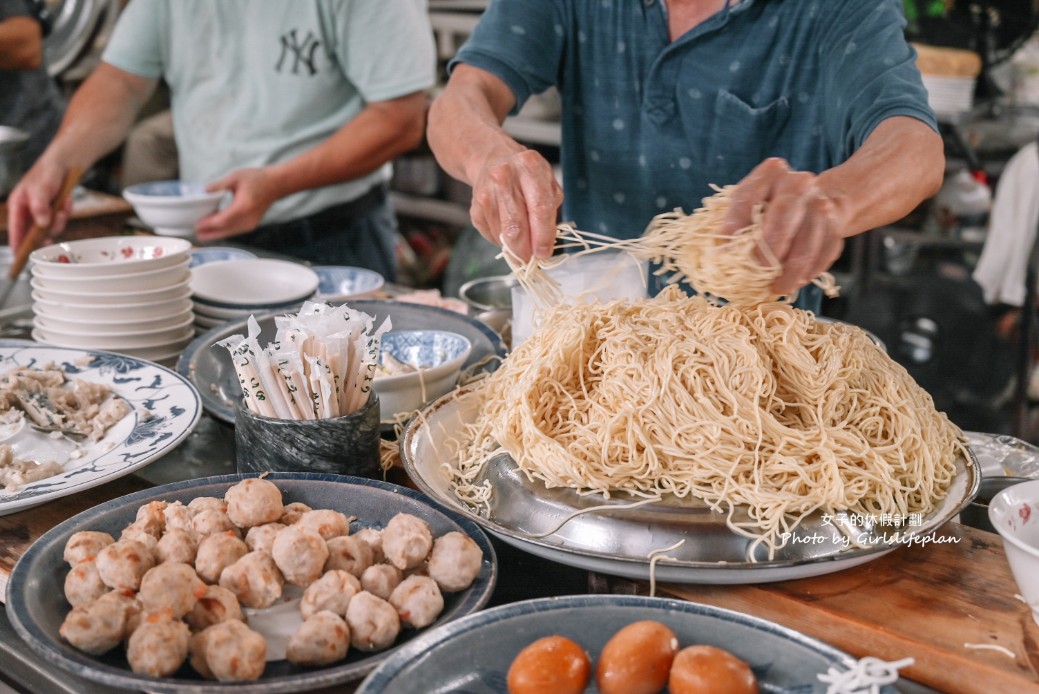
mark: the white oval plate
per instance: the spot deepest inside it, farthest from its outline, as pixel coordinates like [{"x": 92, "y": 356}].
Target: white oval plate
[
  {"x": 133, "y": 442},
  {"x": 619, "y": 541}
]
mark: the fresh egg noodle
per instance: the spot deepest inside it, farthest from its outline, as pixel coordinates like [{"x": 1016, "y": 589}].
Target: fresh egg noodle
[
  {"x": 747, "y": 404},
  {"x": 736, "y": 268},
  {"x": 762, "y": 408}
]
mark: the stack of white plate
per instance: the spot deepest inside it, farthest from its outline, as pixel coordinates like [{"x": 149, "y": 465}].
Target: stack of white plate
[
  {"x": 235, "y": 289},
  {"x": 949, "y": 96},
  {"x": 126, "y": 294}
]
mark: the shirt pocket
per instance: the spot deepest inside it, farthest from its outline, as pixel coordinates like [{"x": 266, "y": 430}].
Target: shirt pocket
[{"x": 741, "y": 136}]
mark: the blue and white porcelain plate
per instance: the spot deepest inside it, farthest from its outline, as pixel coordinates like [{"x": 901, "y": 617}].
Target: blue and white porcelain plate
[{"x": 165, "y": 409}]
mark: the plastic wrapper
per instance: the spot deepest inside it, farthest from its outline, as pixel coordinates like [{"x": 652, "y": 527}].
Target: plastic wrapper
[{"x": 320, "y": 365}]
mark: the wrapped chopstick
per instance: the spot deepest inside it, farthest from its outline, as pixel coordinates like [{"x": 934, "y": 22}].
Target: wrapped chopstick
[{"x": 321, "y": 363}]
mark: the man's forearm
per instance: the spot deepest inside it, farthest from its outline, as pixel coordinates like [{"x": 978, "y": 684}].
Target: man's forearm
[
  {"x": 99, "y": 116},
  {"x": 379, "y": 133},
  {"x": 901, "y": 164},
  {"x": 465, "y": 124}
]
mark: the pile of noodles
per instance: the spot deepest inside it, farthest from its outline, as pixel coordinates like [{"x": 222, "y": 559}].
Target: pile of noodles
[{"x": 752, "y": 405}]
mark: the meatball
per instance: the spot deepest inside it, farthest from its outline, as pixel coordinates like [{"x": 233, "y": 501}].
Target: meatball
[
  {"x": 300, "y": 554},
  {"x": 349, "y": 554},
  {"x": 455, "y": 561},
  {"x": 122, "y": 564},
  {"x": 373, "y": 622},
  {"x": 218, "y": 604},
  {"x": 381, "y": 579},
  {"x": 373, "y": 538},
  {"x": 85, "y": 544},
  {"x": 217, "y": 552},
  {"x": 95, "y": 628},
  {"x": 151, "y": 518},
  {"x": 159, "y": 646},
  {"x": 253, "y": 501},
  {"x": 325, "y": 522},
  {"x": 254, "y": 579},
  {"x": 322, "y": 639},
  {"x": 176, "y": 545},
  {"x": 137, "y": 531},
  {"x": 229, "y": 651},
  {"x": 261, "y": 537},
  {"x": 178, "y": 516},
  {"x": 406, "y": 541},
  {"x": 206, "y": 503},
  {"x": 125, "y": 601},
  {"x": 331, "y": 592},
  {"x": 211, "y": 521},
  {"x": 173, "y": 586},
  {"x": 418, "y": 601},
  {"x": 293, "y": 512},
  {"x": 83, "y": 584}
]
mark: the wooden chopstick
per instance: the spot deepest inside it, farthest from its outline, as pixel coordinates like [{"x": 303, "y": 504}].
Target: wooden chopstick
[{"x": 37, "y": 232}]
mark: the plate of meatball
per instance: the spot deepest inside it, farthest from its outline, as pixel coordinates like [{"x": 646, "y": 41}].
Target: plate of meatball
[{"x": 281, "y": 582}]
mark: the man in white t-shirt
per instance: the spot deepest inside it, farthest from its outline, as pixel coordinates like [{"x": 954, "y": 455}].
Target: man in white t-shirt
[{"x": 296, "y": 108}]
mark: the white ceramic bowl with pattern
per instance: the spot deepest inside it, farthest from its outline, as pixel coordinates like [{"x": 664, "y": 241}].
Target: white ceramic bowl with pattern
[
  {"x": 1014, "y": 513},
  {"x": 172, "y": 208},
  {"x": 438, "y": 356},
  {"x": 108, "y": 256}
]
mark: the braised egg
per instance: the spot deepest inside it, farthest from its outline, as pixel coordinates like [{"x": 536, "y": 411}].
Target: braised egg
[
  {"x": 709, "y": 670},
  {"x": 636, "y": 659},
  {"x": 550, "y": 665}
]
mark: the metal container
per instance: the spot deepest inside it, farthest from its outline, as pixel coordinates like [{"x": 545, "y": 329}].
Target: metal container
[
  {"x": 975, "y": 514},
  {"x": 12, "y": 142}
]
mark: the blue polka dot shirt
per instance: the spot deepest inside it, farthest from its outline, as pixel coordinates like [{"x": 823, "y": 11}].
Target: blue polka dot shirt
[{"x": 650, "y": 124}]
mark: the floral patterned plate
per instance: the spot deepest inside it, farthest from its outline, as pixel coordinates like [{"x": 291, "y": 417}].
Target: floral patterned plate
[{"x": 166, "y": 408}]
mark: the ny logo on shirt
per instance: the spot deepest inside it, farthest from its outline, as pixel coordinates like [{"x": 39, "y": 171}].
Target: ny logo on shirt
[{"x": 302, "y": 52}]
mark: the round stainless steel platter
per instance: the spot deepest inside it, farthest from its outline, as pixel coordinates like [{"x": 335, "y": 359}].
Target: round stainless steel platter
[{"x": 623, "y": 541}]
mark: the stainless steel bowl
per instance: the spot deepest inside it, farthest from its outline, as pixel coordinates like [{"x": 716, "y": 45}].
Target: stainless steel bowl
[{"x": 488, "y": 293}]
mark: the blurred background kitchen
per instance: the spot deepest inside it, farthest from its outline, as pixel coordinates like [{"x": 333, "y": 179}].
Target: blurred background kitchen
[{"x": 950, "y": 289}]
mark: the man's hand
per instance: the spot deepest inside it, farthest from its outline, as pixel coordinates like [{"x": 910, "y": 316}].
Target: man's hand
[
  {"x": 803, "y": 226},
  {"x": 515, "y": 202},
  {"x": 254, "y": 191},
  {"x": 30, "y": 202}
]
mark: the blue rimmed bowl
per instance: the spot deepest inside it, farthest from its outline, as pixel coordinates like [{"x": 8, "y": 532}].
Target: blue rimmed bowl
[
  {"x": 343, "y": 282},
  {"x": 435, "y": 358},
  {"x": 172, "y": 208}
]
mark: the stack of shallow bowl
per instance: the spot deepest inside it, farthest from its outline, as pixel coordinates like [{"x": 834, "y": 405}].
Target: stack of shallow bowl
[
  {"x": 127, "y": 294},
  {"x": 235, "y": 289}
]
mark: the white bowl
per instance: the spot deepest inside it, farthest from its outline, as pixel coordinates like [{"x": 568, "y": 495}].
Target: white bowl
[
  {"x": 113, "y": 327},
  {"x": 252, "y": 283},
  {"x": 112, "y": 313},
  {"x": 180, "y": 290},
  {"x": 1014, "y": 513},
  {"x": 170, "y": 337},
  {"x": 172, "y": 208},
  {"x": 208, "y": 322},
  {"x": 210, "y": 311},
  {"x": 108, "y": 256},
  {"x": 342, "y": 282},
  {"x": 438, "y": 354},
  {"x": 132, "y": 282}
]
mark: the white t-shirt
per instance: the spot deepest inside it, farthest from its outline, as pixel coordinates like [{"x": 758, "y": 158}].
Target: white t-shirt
[{"x": 260, "y": 81}]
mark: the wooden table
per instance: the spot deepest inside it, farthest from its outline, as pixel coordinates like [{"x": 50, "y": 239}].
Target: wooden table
[{"x": 952, "y": 606}]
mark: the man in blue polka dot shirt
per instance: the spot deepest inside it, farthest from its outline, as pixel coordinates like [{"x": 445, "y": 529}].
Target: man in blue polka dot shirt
[{"x": 815, "y": 107}]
